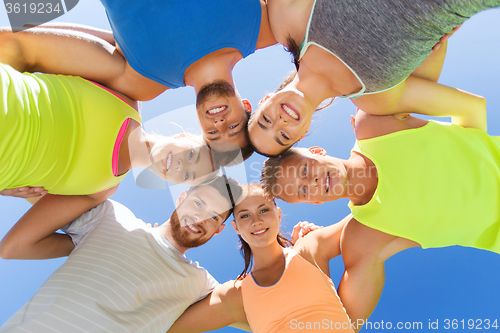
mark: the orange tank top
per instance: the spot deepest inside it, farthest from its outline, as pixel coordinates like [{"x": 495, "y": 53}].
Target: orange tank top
[{"x": 304, "y": 298}]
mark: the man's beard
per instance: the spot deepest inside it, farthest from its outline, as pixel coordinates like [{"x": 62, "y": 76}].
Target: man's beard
[
  {"x": 181, "y": 235},
  {"x": 218, "y": 88}
]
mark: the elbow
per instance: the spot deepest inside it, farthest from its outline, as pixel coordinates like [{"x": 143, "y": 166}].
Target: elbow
[
  {"x": 7, "y": 251},
  {"x": 10, "y": 248}
]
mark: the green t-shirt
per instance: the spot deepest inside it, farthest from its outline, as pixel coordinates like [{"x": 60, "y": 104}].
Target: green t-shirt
[{"x": 438, "y": 185}]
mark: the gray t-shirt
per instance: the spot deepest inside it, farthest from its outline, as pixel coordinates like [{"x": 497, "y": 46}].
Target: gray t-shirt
[
  {"x": 121, "y": 277},
  {"x": 384, "y": 41}
]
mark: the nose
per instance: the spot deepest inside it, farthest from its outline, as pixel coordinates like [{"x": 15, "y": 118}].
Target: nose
[
  {"x": 180, "y": 164},
  {"x": 256, "y": 222},
  {"x": 218, "y": 122},
  {"x": 282, "y": 120}
]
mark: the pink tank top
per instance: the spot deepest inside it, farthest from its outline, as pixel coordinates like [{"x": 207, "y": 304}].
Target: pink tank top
[{"x": 304, "y": 299}]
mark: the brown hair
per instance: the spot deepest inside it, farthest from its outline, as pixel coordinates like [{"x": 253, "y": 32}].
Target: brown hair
[
  {"x": 244, "y": 248},
  {"x": 271, "y": 170},
  {"x": 227, "y": 187}
]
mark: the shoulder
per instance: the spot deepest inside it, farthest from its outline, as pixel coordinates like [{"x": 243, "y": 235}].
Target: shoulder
[
  {"x": 367, "y": 126},
  {"x": 229, "y": 292}
]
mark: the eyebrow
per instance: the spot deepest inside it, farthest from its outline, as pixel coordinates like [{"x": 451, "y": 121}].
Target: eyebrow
[
  {"x": 243, "y": 210},
  {"x": 275, "y": 138},
  {"x": 201, "y": 200}
]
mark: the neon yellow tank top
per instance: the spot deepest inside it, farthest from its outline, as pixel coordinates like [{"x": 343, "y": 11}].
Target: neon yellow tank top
[
  {"x": 438, "y": 185},
  {"x": 58, "y": 132}
]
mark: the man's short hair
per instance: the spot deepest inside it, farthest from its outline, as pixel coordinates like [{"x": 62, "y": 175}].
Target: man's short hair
[
  {"x": 272, "y": 170},
  {"x": 228, "y": 188}
]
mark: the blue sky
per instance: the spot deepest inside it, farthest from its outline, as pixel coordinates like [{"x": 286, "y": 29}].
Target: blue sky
[{"x": 421, "y": 285}]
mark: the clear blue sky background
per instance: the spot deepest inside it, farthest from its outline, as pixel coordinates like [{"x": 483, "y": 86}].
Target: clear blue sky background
[{"x": 421, "y": 285}]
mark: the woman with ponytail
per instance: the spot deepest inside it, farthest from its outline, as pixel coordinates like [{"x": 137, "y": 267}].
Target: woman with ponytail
[{"x": 283, "y": 287}]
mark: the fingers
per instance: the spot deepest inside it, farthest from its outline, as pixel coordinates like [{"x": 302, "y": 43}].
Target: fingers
[
  {"x": 24, "y": 192},
  {"x": 303, "y": 228}
]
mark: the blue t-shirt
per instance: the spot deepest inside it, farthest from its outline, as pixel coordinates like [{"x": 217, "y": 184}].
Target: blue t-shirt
[{"x": 161, "y": 39}]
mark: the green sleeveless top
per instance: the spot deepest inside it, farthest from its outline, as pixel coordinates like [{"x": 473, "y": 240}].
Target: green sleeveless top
[
  {"x": 438, "y": 185},
  {"x": 58, "y": 132}
]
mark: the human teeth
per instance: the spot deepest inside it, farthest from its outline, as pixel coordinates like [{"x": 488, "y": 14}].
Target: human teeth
[
  {"x": 259, "y": 232},
  {"x": 219, "y": 109},
  {"x": 190, "y": 226},
  {"x": 168, "y": 164},
  {"x": 292, "y": 113}
]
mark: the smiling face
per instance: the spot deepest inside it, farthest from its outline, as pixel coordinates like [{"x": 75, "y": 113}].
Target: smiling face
[
  {"x": 307, "y": 177},
  {"x": 222, "y": 114},
  {"x": 199, "y": 216},
  {"x": 257, "y": 219},
  {"x": 185, "y": 161},
  {"x": 280, "y": 121}
]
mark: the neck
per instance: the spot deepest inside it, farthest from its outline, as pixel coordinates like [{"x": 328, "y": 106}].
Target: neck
[
  {"x": 289, "y": 18},
  {"x": 267, "y": 257},
  {"x": 362, "y": 179},
  {"x": 215, "y": 66},
  {"x": 266, "y": 36},
  {"x": 313, "y": 87},
  {"x": 140, "y": 144}
]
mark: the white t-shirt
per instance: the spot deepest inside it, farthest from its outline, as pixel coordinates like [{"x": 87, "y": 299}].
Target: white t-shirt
[{"x": 121, "y": 277}]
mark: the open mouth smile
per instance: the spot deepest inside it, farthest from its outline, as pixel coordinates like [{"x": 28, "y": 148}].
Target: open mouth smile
[
  {"x": 290, "y": 112},
  {"x": 193, "y": 228},
  {"x": 168, "y": 161},
  {"x": 260, "y": 232},
  {"x": 217, "y": 110}
]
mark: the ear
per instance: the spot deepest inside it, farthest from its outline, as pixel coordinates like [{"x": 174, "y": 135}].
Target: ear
[
  {"x": 181, "y": 198},
  {"x": 247, "y": 105},
  {"x": 265, "y": 98},
  {"x": 303, "y": 135},
  {"x": 235, "y": 227},
  {"x": 219, "y": 229},
  {"x": 314, "y": 202},
  {"x": 279, "y": 215},
  {"x": 317, "y": 151}
]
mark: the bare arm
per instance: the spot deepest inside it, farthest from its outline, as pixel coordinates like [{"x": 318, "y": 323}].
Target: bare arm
[
  {"x": 431, "y": 68},
  {"x": 99, "y": 33},
  {"x": 34, "y": 236},
  {"x": 75, "y": 53},
  {"x": 321, "y": 245},
  {"x": 364, "y": 251},
  {"x": 421, "y": 96},
  {"x": 223, "y": 307}
]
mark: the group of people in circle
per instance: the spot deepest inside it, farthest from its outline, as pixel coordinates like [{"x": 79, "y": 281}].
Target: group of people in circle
[{"x": 70, "y": 127}]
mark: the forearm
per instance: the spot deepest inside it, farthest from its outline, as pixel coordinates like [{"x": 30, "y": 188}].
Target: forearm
[
  {"x": 433, "y": 99},
  {"x": 223, "y": 307},
  {"x": 431, "y": 68},
  {"x": 33, "y": 236},
  {"x": 360, "y": 289},
  {"x": 99, "y": 33}
]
